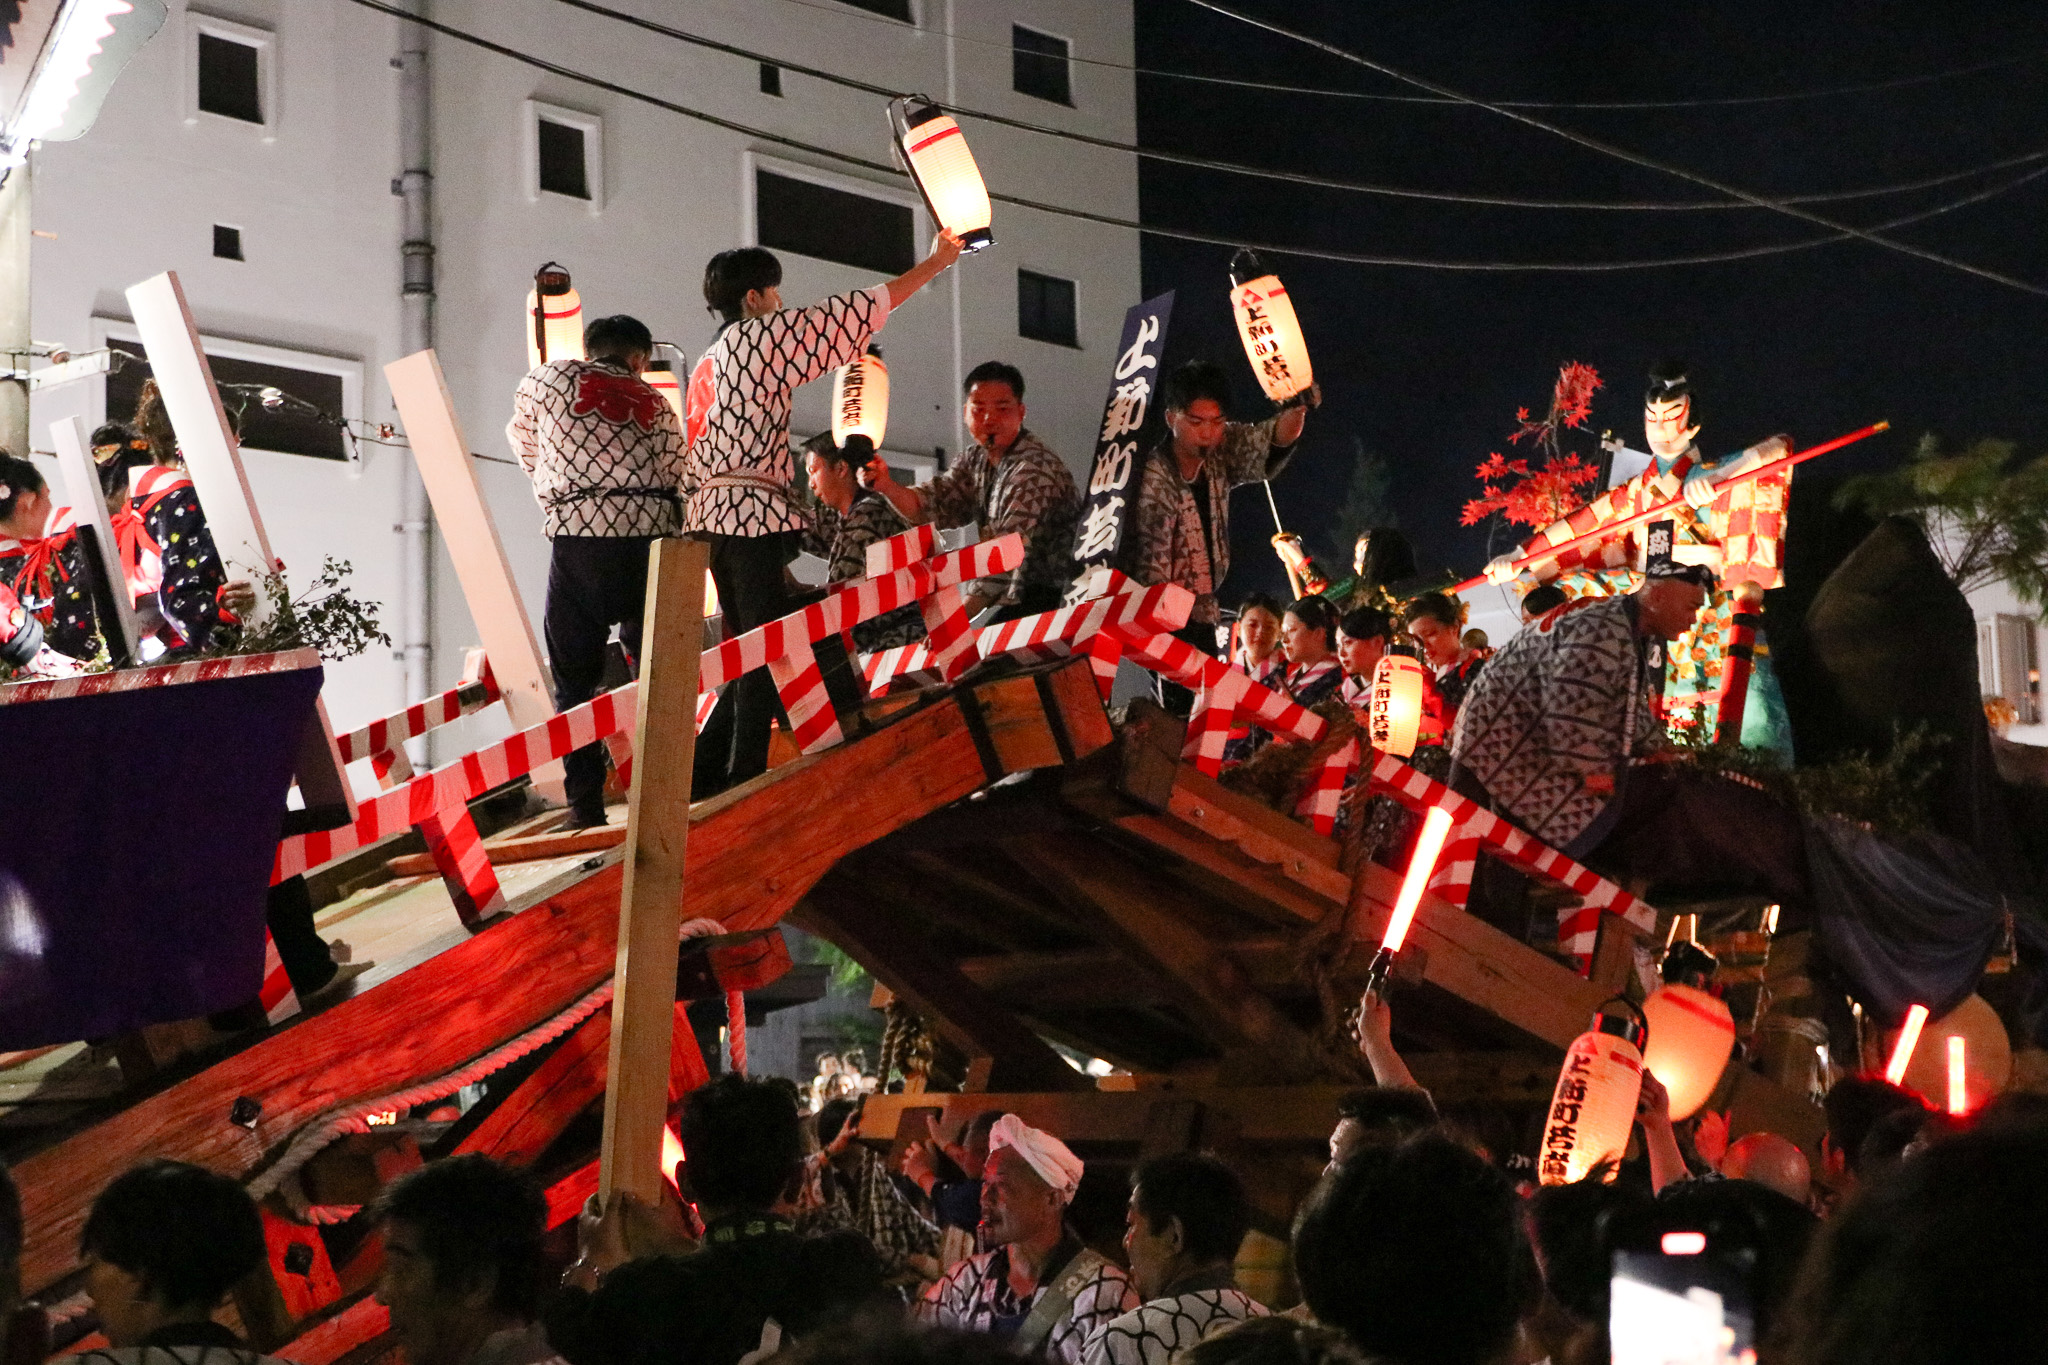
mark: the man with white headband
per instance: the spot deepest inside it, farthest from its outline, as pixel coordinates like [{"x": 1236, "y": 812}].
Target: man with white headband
[{"x": 1038, "y": 1286}]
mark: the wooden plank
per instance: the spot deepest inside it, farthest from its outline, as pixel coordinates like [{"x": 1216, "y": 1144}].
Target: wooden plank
[
  {"x": 542, "y": 1105},
  {"x": 530, "y": 849},
  {"x": 844, "y": 910},
  {"x": 89, "y": 503},
  {"x": 327, "y": 1341},
  {"x": 753, "y": 852},
  {"x": 213, "y": 458},
  {"x": 651, "y": 896},
  {"x": 467, "y": 530}
]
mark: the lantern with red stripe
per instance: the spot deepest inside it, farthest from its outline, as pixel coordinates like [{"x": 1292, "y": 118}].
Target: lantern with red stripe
[
  {"x": 661, "y": 376},
  {"x": 554, "y": 318},
  {"x": 1394, "y": 718},
  {"x": 1594, "y": 1105},
  {"x": 1691, "y": 1031},
  {"x": 935, "y": 151},
  {"x": 1270, "y": 331}
]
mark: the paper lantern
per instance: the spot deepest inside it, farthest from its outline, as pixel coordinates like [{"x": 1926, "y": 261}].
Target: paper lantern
[
  {"x": 1692, "y": 1032},
  {"x": 662, "y": 378},
  {"x": 935, "y": 151},
  {"x": 1986, "y": 1057},
  {"x": 554, "y": 318},
  {"x": 860, "y": 399},
  {"x": 1272, "y": 335},
  {"x": 1594, "y": 1105},
  {"x": 1394, "y": 719}
]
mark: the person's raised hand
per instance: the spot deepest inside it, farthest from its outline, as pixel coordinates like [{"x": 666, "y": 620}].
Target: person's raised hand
[
  {"x": 1375, "y": 1021},
  {"x": 239, "y": 597},
  {"x": 842, "y": 1139},
  {"x": 875, "y": 476},
  {"x": 920, "y": 1165},
  {"x": 1653, "y": 1102},
  {"x": 1710, "y": 1137},
  {"x": 946, "y": 248},
  {"x": 1502, "y": 569}
]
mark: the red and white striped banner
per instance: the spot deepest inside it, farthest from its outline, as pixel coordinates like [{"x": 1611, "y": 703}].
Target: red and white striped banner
[
  {"x": 160, "y": 675},
  {"x": 1099, "y": 626},
  {"x": 383, "y": 736},
  {"x": 947, "y": 649},
  {"x": 455, "y": 784},
  {"x": 1227, "y": 696},
  {"x": 902, "y": 549}
]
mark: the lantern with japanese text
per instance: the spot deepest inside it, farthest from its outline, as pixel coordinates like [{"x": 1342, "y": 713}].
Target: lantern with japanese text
[
  {"x": 860, "y": 399},
  {"x": 935, "y": 151},
  {"x": 1691, "y": 1031},
  {"x": 1594, "y": 1105},
  {"x": 554, "y": 318},
  {"x": 1271, "y": 333},
  {"x": 661, "y": 376},
  {"x": 1394, "y": 717}
]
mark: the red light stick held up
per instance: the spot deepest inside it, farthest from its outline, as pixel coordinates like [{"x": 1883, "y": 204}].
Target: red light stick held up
[
  {"x": 1429, "y": 846},
  {"x": 1909, "y": 1038},
  {"x": 1664, "y": 509}
]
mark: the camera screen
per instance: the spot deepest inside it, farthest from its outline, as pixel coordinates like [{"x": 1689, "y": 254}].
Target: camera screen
[{"x": 1683, "y": 1309}]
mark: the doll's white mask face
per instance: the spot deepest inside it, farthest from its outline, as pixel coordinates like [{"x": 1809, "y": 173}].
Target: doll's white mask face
[{"x": 1667, "y": 425}]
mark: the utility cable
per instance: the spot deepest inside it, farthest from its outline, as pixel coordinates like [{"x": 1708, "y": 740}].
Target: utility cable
[
  {"x": 1266, "y": 172},
  {"x": 1704, "y": 102},
  {"x": 1309, "y": 253},
  {"x": 1623, "y": 154}
]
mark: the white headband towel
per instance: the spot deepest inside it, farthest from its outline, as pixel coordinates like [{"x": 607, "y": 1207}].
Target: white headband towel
[{"x": 1054, "y": 1162}]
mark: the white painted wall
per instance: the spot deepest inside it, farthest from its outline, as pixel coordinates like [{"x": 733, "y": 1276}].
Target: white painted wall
[{"x": 320, "y": 227}]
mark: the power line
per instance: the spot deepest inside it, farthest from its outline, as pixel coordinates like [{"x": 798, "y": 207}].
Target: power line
[
  {"x": 1269, "y": 173},
  {"x": 1623, "y": 154},
  {"x": 1278, "y": 249},
  {"x": 1869, "y": 87}
]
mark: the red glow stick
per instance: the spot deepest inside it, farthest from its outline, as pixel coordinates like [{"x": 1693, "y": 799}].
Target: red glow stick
[
  {"x": 1909, "y": 1038},
  {"x": 1599, "y": 533},
  {"x": 1429, "y": 846},
  {"x": 1958, "y": 1082}
]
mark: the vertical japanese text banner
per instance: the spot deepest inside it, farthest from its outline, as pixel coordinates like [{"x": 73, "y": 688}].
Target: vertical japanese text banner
[{"x": 1119, "y": 445}]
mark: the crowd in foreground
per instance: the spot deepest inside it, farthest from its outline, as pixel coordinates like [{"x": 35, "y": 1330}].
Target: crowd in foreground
[{"x": 791, "y": 1242}]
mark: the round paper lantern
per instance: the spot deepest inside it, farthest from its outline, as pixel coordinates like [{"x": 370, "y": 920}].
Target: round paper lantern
[
  {"x": 935, "y": 151},
  {"x": 554, "y": 318},
  {"x": 1594, "y": 1105},
  {"x": 662, "y": 378},
  {"x": 1987, "y": 1055},
  {"x": 860, "y": 399},
  {"x": 1691, "y": 1031},
  {"x": 1395, "y": 718},
  {"x": 1272, "y": 336}
]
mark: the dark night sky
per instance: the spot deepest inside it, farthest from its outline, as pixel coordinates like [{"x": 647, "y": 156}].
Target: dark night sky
[{"x": 1427, "y": 367}]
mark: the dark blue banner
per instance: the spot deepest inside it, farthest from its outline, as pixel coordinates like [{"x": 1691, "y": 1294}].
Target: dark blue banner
[{"x": 1126, "y": 425}]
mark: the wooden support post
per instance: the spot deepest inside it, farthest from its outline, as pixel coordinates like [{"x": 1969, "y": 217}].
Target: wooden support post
[
  {"x": 651, "y": 900},
  {"x": 467, "y": 528},
  {"x": 213, "y": 457}
]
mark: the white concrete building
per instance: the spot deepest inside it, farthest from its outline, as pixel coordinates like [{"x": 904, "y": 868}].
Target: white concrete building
[{"x": 253, "y": 146}]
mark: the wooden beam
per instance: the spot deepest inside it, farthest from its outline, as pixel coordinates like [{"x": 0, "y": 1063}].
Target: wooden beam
[
  {"x": 213, "y": 458},
  {"x": 520, "y": 1128},
  {"x": 1146, "y": 920},
  {"x": 753, "y": 852},
  {"x": 529, "y": 849},
  {"x": 844, "y": 912},
  {"x": 651, "y": 895}
]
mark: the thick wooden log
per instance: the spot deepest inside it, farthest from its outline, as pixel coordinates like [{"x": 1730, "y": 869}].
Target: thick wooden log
[{"x": 753, "y": 852}]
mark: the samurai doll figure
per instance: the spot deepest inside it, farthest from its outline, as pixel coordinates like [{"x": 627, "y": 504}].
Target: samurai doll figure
[{"x": 1737, "y": 529}]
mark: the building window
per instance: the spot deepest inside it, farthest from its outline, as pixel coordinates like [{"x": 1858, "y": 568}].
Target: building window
[
  {"x": 893, "y": 9},
  {"x": 832, "y": 224},
  {"x": 771, "y": 79},
  {"x": 1045, "y": 308},
  {"x": 1039, "y": 66},
  {"x": 241, "y": 382},
  {"x": 231, "y": 71},
  {"x": 227, "y": 242},
  {"x": 564, "y": 154},
  {"x": 2016, "y": 643}
]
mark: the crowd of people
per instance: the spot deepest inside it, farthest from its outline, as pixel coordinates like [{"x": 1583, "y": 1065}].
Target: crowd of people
[{"x": 1910, "y": 1240}]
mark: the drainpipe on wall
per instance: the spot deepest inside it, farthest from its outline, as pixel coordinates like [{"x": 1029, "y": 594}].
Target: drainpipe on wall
[{"x": 416, "y": 333}]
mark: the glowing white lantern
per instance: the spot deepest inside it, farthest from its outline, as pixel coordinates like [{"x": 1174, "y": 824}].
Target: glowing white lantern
[
  {"x": 1692, "y": 1032},
  {"x": 860, "y": 399},
  {"x": 935, "y": 150},
  {"x": 662, "y": 378},
  {"x": 1974, "y": 1030},
  {"x": 1594, "y": 1105},
  {"x": 1271, "y": 333},
  {"x": 554, "y": 318},
  {"x": 1394, "y": 719}
]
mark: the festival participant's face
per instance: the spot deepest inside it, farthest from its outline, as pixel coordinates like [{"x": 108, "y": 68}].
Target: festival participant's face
[
  {"x": 430, "y": 1322},
  {"x": 994, "y": 414},
  {"x": 31, "y": 514},
  {"x": 1197, "y": 427},
  {"x": 1439, "y": 641},
  {"x": 1302, "y": 642},
  {"x": 1260, "y": 631},
  {"x": 1667, "y": 425},
  {"x": 831, "y": 480},
  {"x": 1153, "y": 1255},
  {"x": 1668, "y": 607},
  {"x": 1360, "y": 657},
  {"x": 1015, "y": 1203}
]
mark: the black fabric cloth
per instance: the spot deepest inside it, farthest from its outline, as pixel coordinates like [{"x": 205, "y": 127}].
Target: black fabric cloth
[
  {"x": 1032, "y": 599},
  {"x": 1698, "y": 835},
  {"x": 1180, "y": 701},
  {"x": 707, "y": 1308},
  {"x": 288, "y": 911},
  {"x": 957, "y": 1204},
  {"x": 594, "y": 583},
  {"x": 1902, "y": 923},
  {"x": 1199, "y": 486}
]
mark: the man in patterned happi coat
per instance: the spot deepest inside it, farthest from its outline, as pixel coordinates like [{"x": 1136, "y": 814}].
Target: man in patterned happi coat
[
  {"x": 1039, "y": 1287},
  {"x": 1187, "y": 1215},
  {"x": 1735, "y": 529}
]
